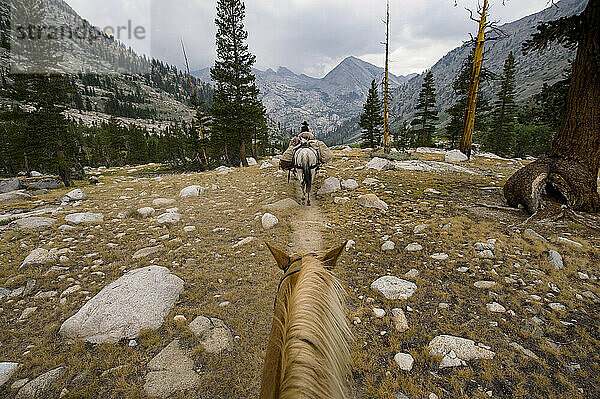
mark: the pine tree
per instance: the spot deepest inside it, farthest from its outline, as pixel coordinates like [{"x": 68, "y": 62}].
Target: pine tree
[
  {"x": 371, "y": 121},
  {"x": 427, "y": 113},
  {"x": 237, "y": 113},
  {"x": 501, "y": 137}
]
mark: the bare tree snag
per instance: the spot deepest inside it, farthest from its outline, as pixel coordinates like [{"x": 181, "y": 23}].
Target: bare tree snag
[
  {"x": 467, "y": 139},
  {"x": 571, "y": 168},
  {"x": 387, "y": 147}
]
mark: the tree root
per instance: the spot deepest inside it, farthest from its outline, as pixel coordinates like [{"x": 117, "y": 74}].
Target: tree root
[{"x": 567, "y": 180}]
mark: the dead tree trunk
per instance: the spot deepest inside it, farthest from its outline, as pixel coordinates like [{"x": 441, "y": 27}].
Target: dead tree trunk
[{"x": 571, "y": 168}]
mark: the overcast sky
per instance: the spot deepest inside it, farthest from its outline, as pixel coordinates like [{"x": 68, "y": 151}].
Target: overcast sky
[{"x": 306, "y": 36}]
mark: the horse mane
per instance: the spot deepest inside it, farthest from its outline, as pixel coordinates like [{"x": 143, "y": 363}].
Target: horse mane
[{"x": 315, "y": 353}]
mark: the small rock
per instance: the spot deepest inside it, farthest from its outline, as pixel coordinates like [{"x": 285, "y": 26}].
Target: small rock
[
  {"x": 349, "y": 184},
  {"x": 379, "y": 313},
  {"x": 32, "y": 223},
  {"x": 146, "y": 212},
  {"x": 534, "y": 235},
  {"x": 412, "y": 273},
  {"x": 75, "y": 195},
  {"x": 439, "y": 256},
  {"x": 213, "y": 333},
  {"x": 388, "y": 246},
  {"x": 495, "y": 307},
  {"x": 564, "y": 240},
  {"x": 555, "y": 259},
  {"x": 557, "y": 306},
  {"x": 414, "y": 247},
  {"x": 281, "y": 205},
  {"x": 370, "y": 181},
  {"x": 163, "y": 202},
  {"x": 39, "y": 257},
  {"x": 144, "y": 252},
  {"x": 189, "y": 229},
  {"x": 341, "y": 200},
  {"x": 455, "y": 156},
  {"x": 404, "y": 361},
  {"x": 523, "y": 350},
  {"x": 40, "y": 386},
  {"x": 399, "y": 319},
  {"x": 380, "y": 164},
  {"x": 330, "y": 185},
  {"x": 84, "y": 218},
  {"x": 372, "y": 201},
  {"x": 484, "y": 284},
  {"x": 394, "y": 288},
  {"x": 269, "y": 221},
  {"x": 420, "y": 228},
  {"x": 243, "y": 242},
  {"x": 191, "y": 191},
  {"x": 168, "y": 218},
  {"x": 487, "y": 254}
]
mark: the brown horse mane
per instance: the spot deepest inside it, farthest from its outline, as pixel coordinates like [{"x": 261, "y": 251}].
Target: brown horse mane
[{"x": 315, "y": 336}]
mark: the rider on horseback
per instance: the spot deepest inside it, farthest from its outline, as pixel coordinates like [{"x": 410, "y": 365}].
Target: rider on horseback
[{"x": 305, "y": 139}]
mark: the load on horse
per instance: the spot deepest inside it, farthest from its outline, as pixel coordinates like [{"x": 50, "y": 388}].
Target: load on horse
[{"x": 304, "y": 157}]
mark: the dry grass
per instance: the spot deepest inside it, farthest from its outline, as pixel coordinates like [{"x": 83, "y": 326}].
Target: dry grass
[{"x": 247, "y": 277}]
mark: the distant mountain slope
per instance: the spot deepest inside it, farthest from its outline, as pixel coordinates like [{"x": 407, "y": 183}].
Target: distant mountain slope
[
  {"x": 532, "y": 71},
  {"x": 111, "y": 79},
  {"x": 326, "y": 103}
]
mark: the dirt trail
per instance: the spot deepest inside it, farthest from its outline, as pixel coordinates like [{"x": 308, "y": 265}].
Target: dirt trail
[{"x": 307, "y": 227}]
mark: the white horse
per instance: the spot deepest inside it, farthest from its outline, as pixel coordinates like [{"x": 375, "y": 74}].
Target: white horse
[{"x": 306, "y": 163}]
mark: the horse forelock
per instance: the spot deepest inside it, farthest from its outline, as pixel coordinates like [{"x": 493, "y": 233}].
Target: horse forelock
[{"x": 315, "y": 336}]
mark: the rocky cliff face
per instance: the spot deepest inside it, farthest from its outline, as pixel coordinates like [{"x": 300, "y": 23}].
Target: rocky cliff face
[
  {"x": 326, "y": 103},
  {"x": 532, "y": 71}
]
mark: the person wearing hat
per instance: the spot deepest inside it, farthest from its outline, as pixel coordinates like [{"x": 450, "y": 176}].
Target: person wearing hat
[{"x": 286, "y": 162}]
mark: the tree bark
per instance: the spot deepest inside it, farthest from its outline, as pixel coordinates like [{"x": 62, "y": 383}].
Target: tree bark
[
  {"x": 571, "y": 168},
  {"x": 243, "y": 154}
]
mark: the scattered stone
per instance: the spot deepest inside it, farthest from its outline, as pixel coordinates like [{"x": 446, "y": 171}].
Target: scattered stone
[
  {"x": 439, "y": 256},
  {"x": 32, "y": 223},
  {"x": 330, "y": 185},
  {"x": 412, "y": 273},
  {"x": 93, "y": 180},
  {"x": 495, "y": 307},
  {"x": 189, "y": 229},
  {"x": 139, "y": 300},
  {"x": 420, "y": 228},
  {"x": 341, "y": 200},
  {"x": 14, "y": 196},
  {"x": 48, "y": 183},
  {"x": 39, "y": 257},
  {"x": 380, "y": 164},
  {"x": 40, "y": 387},
  {"x": 464, "y": 349},
  {"x": 144, "y": 252},
  {"x": 71, "y": 290},
  {"x": 370, "y": 181},
  {"x": 484, "y": 246},
  {"x": 191, "y": 191},
  {"x": 168, "y": 218},
  {"x": 6, "y": 186},
  {"x": 223, "y": 170},
  {"x": 583, "y": 276},
  {"x": 484, "y": 284},
  {"x": 349, "y": 184},
  {"x": 372, "y": 201},
  {"x": 350, "y": 245},
  {"x": 451, "y": 360},
  {"x": 146, "y": 212},
  {"x": 84, "y": 218},
  {"x": 432, "y": 191},
  {"x": 163, "y": 202},
  {"x": 35, "y": 173},
  {"x": 266, "y": 164},
  {"x": 555, "y": 259},
  {"x": 455, "y": 156},
  {"x": 524, "y": 351},
  {"x": 281, "y": 205},
  {"x": 487, "y": 254},
  {"x": 557, "y": 306},
  {"x": 244, "y": 241},
  {"x": 269, "y": 221},
  {"x": 399, "y": 319},
  {"x": 404, "y": 361},
  {"x": 564, "y": 240},
  {"x": 414, "y": 247},
  {"x": 179, "y": 318},
  {"x": 213, "y": 333},
  {"x": 388, "y": 246},
  {"x": 7, "y": 369},
  {"x": 251, "y": 162},
  {"x": 534, "y": 235},
  {"x": 172, "y": 370},
  {"x": 591, "y": 296},
  {"x": 75, "y": 195},
  {"x": 379, "y": 313},
  {"x": 393, "y": 287}
]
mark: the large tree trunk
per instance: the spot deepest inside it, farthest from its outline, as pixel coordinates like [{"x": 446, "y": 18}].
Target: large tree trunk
[
  {"x": 571, "y": 168},
  {"x": 243, "y": 154}
]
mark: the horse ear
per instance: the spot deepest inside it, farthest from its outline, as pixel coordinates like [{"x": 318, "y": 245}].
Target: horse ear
[
  {"x": 330, "y": 258},
  {"x": 281, "y": 257}
]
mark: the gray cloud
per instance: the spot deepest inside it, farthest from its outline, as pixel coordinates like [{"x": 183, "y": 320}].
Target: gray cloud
[{"x": 311, "y": 36}]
